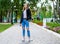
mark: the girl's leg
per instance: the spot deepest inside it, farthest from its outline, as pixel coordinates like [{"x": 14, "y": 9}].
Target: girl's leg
[
  {"x": 23, "y": 33},
  {"x": 28, "y": 31},
  {"x": 23, "y": 30}
]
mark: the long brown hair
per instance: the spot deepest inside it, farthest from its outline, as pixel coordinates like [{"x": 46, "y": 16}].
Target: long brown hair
[
  {"x": 23, "y": 8},
  {"x": 27, "y": 6}
]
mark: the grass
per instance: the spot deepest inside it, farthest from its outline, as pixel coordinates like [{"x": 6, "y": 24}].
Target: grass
[
  {"x": 3, "y": 27},
  {"x": 52, "y": 25}
]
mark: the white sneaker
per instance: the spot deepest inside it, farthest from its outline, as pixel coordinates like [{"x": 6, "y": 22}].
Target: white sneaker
[
  {"x": 23, "y": 40},
  {"x": 30, "y": 40}
]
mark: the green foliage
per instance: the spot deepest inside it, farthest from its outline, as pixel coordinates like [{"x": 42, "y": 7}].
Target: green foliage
[
  {"x": 3, "y": 27},
  {"x": 33, "y": 3},
  {"x": 37, "y": 21},
  {"x": 53, "y": 24},
  {"x": 43, "y": 10},
  {"x": 58, "y": 31},
  {"x": 5, "y": 4},
  {"x": 52, "y": 0}
]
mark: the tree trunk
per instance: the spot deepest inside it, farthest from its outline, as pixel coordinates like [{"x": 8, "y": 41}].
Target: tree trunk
[
  {"x": 16, "y": 16},
  {"x": 1, "y": 17}
]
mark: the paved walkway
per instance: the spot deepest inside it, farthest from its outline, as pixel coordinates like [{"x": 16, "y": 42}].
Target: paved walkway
[{"x": 13, "y": 35}]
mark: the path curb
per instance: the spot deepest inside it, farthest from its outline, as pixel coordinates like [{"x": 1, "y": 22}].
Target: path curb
[{"x": 58, "y": 35}]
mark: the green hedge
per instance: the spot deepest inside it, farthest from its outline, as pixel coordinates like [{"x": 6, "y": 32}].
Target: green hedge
[{"x": 37, "y": 21}]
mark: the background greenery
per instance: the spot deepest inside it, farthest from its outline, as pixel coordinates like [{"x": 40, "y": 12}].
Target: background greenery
[{"x": 3, "y": 27}]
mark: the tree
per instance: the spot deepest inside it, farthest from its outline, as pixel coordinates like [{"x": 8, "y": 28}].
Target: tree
[
  {"x": 33, "y": 3},
  {"x": 58, "y": 8},
  {"x": 4, "y": 6}
]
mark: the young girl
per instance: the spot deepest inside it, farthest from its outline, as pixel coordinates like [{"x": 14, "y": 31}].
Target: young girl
[{"x": 25, "y": 17}]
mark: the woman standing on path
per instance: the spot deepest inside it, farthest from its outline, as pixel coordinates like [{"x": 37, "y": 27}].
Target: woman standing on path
[{"x": 25, "y": 17}]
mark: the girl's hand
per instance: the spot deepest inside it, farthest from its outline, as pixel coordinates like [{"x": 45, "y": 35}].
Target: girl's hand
[{"x": 20, "y": 24}]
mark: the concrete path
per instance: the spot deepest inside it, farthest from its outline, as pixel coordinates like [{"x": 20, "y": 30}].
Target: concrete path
[{"x": 13, "y": 35}]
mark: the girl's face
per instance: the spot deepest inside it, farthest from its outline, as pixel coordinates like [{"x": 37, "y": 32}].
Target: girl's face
[{"x": 25, "y": 6}]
